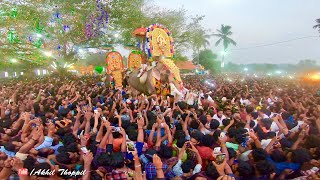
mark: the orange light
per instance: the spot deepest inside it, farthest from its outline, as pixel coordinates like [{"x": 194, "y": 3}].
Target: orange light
[{"x": 315, "y": 77}]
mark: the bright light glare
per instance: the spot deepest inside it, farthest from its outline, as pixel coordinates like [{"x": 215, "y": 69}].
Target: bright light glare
[
  {"x": 69, "y": 66},
  {"x": 245, "y": 69},
  {"x": 315, "y": 77},
  {"x": 65, "y": 65},
  {"x": 21, "y": 73},
  {"x": 223, "y": 53},
  {"x": 14, "y": 74},
  {"x": 269, "y": 74},
  {"x": 14, "y": 60},
  {"x": 6, "y": 74},
  {"x": 116, "y": 35},
  {"x": 48, "y": 53},
  {"x": 39, "y": 35},
  {"x": 290, "y": 77},
  {"x": 44, "y": 71},
  {"x": 255, "y": 76},
  {"x": 38, "y": 72},
  {"x": 278, "y": 72}
]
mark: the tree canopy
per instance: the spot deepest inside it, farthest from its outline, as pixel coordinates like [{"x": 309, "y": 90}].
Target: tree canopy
[
  {"x": 38, "y": 33},
  {"x": 208, "y": 60}
]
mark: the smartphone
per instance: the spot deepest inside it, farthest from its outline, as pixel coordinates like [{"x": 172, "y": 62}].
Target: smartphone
[
  {"x": 33, "y": 125},
  {"x": 162, "y": 124},
  {"x": 222, "y": 134},
  {"x": 171, "y": 125},
  {"x": 139, "y": 115},
  {"x": 116, "y": 129},
  {"x": 160, "y": 116},
  {"x": 130, "y": 146},
  {"x": 220, "y": 158},
  {"x": 95, "y": 111},
  {"x": 188, "y": 145},
  {"x": 217, "y": 150},
  {"x": 84, "y": 150},
  {"x": 179, "y": 116},
  {"x": 81, "y": 134}
]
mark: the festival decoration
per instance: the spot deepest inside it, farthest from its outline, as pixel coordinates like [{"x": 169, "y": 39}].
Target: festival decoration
[
  {"x": 159, "y": 41},
  {"x": 38, "y": 43},
  {"x": 95, "y": 22},
  {"x": 85, "y": 69},
  {"x": 134, "y": 60},
  {"x": 14, "y": 12},
  {"x": 140, "y": 33},
  {"x": 115, "y": 67},
  {"x": 99, "y": 69},
  {"x": 38, "y": 27},
  {"x": 66, "y": 28},
  {"x": 169, "y": 64},
  {"x": 12, "y": 36}
]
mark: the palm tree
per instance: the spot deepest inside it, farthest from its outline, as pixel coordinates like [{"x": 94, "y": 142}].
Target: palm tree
[
  {"x": 223, "y": 34},
  {"x": 318, "y": 24},
  {"x": 199, "y": 40}
]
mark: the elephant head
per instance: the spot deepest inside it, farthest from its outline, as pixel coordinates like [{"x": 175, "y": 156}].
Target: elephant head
[{"x": 165, "y": 71}]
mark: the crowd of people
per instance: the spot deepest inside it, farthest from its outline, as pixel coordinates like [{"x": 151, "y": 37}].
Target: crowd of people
[{"x": 69, "y": 127}]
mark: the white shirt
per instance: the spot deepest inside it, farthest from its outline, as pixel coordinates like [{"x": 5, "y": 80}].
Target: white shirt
[
  {"x": 265, "y": 143},
  {"x": 175, "y": 91},
  {"x": 177, "y": 170},
  {"x": 274, "y": 127},
  {"x": 191, "y": 98},
  {"x": 219, "y": 119},
  {"x": 245, "y": 101}
]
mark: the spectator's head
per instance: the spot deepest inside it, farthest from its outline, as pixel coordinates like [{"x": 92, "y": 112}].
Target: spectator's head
[
  {"x": 165, "y": 151},
  {"x": 187, "y": 166},
  {"x": 207, "y": 140},
  {"x": 258, "y": 154},
  {"x": 196, "y": 137},
  {"x": 194, "y": 124},
  {"x": 214, "y": 124},
  {"x": 278, "y": 156},
  {"x": 117, "y": 160},
  {"x": 245, "y": 169},
  {"x": 299, "y": 156},
  {"x": 264, "y": 168},
  {"x": 219, "y": 113}
]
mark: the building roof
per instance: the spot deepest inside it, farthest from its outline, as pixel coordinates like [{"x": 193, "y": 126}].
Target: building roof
[{"x": 186, "y": 65}]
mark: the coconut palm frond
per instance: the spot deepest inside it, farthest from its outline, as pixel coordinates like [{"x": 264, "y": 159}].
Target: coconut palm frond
[
  {"x": 318, "y": 25},
  {"x": 232, "y": 41},
  {"x": 218, "y": 42}
]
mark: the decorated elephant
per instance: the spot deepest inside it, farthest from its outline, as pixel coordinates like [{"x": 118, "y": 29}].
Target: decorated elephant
[{"x": 148, "y": 82}]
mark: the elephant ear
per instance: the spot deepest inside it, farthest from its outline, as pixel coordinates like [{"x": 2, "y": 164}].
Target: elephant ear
[{"x": 156, "y": 73}]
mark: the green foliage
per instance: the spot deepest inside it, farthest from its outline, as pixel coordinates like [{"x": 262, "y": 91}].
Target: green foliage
[
  {"x": 317, "y": 25},
  {"x": 223, "y": 34},
  {"x": 208, "y": 60},
  {"x": 180, "y": 57},
  {"x": 27, "y": 18}
]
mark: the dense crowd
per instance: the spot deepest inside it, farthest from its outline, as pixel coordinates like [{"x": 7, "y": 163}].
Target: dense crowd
[{"x": 68, "y": 127}]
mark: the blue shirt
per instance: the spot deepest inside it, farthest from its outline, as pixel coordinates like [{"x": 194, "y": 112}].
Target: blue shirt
[{"x": 281, "y": 166}]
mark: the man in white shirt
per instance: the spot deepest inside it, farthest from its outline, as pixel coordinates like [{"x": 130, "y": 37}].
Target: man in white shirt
[
  {"x": 219, "y": 116},
  {"x": 190, "y": 98}
]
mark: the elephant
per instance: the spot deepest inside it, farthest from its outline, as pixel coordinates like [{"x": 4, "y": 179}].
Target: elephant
[{"x": 161, "y": 72}]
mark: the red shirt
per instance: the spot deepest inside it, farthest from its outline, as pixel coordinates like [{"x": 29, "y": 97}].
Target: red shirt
[{"x": 205, "y": 154}]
